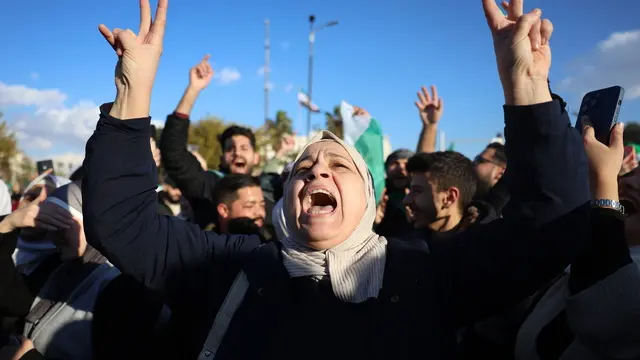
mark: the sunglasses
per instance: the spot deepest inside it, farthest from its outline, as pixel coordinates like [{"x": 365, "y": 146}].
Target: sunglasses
[{"x": 480, "y": 160}]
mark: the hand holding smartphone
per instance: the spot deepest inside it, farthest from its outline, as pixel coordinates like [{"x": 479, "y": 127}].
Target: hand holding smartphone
[{"x": 600, "y": 109}]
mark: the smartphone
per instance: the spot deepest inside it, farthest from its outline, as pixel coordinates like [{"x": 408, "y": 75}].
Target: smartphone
[
  {"x": 601, "y": 108},
  {"x": 44, "y": 165}
]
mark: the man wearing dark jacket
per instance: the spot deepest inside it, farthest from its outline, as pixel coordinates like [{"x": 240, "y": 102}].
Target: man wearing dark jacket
[{"x": 239, "y": 155}]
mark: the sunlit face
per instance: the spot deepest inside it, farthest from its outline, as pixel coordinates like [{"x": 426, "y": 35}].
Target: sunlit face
[
  {"x": 326, "y": 196},
  {"x": 71, "y": 242},
  {"x": 239, "y": 156},
  {"x": 422, "y": 200},
  {"x": 488, "y": 169},
  {"x": 249, "y": 204}
]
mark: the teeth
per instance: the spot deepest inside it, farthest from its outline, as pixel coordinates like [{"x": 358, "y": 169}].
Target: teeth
[{"x": 320, "y": 191}]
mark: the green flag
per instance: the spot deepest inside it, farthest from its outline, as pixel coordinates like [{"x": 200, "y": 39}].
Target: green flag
[{"x": 365, "y": 134}]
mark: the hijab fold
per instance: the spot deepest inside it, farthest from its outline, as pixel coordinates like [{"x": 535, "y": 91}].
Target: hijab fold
[{"x": 355, "y": 266}]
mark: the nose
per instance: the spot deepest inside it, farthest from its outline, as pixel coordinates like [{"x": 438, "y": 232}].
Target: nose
[
  {"x": 317, "y": 172},
  {"x": 260, "y": 213}
]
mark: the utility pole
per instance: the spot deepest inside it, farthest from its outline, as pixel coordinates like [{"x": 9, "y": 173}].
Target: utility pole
[
  {"x": 312, "y": 38},
  {"x": 267, "y": 69}
]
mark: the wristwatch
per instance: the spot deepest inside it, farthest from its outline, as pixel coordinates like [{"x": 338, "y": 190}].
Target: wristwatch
[{"x": 608, "y": 203}]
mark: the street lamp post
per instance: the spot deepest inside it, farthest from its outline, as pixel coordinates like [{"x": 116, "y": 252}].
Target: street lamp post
[{"x": 312, "y": 37}]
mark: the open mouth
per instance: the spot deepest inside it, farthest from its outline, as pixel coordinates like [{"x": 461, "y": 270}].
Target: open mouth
[
  {"x": 239, "y": 164},
  {"x": 319, "y": 202}
]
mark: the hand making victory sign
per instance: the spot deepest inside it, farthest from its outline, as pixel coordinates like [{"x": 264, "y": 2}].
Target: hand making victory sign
[
  {"x": 138, "y": 58},
  {"x": 523, "y": 55}
]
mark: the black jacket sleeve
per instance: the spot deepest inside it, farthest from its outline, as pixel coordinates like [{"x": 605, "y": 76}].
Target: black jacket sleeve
[
  {"x": 16, "y": 296},
  {"x": 605, "y": 254},
  {"x": 495, "y": 265},
  {"x": 181, "y": 166},
  {"x": 121, "y": 218}
]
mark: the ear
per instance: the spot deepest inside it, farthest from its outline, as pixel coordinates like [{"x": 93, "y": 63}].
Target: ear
[
  {"x": 452, "y": 196},
  {"x": 256, "y": 158},
  {"x": 223, "y": 211}
]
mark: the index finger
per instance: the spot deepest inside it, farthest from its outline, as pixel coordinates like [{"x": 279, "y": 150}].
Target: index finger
[
  {"x": 492, "y": 13},
  {"x": 145, "y": 18},
  {"x": 161, "y": 19}
]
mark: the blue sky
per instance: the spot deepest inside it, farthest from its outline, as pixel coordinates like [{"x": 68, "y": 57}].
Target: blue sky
[{"x": 377, "y": 57}]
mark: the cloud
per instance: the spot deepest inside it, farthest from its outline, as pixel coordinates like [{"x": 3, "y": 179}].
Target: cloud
[
  {"x": 52, "y": 121},
  {"x": 34, "y": 76},
  {"x": 288, "y": 87},
  {"x": 613, "y": 61},
  {"x": 227, "y": 76}
]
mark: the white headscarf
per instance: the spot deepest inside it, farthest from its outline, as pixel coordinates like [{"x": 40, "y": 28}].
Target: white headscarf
[{"x": 355, "y": 266}]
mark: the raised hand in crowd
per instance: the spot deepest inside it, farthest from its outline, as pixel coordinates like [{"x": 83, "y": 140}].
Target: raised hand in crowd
[
  {"x": 523, "y": 54},
  {"x": 138, "y": 60},
  {"x": 200, "y": 75},
  {"x": 201, "y": 160},
  {"x": 382, "y": 207},
  {"x": 604, "y": 161},
  {"x": 358, "y": 111},
  {"x": 629, "y": 162},
  {"x": 287, "y": 145},
  {"x": 38, "y": 214},
  {"x": 430, "y": 107}
]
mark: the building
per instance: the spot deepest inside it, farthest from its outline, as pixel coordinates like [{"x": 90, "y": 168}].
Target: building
[
  {"x": 22, "y": 168},
  {"x": 65, "y": 164}
]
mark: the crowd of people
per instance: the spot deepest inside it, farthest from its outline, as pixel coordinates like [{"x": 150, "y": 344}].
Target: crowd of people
[{"x": 525, "y": 252}]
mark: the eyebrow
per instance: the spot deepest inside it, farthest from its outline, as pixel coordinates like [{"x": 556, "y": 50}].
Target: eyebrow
[{"x": 330, "y": 155}]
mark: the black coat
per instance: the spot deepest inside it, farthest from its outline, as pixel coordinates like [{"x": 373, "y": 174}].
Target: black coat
[{"x": 426, "y": 295}]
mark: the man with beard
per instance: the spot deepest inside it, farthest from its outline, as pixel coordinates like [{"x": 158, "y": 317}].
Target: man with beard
[
  {"x": 442, "y": 186},
  {"x": 240, "y": 206},
  {"x": 489, "y": 165},
  {"x": 171, "y": 202},
  {"x": 393, "y": 218},
  {"x": 238, "y": 146}
]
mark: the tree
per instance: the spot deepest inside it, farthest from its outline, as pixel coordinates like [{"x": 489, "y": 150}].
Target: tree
[
  {"x": 269, "y": 135},
  {"x": 8, "y": 148},
  {"x": 334, "y": 122},
  {"x": 271, "y": 132},
  {"x": 27, "y": 171},
  {"x": 204, "y": 134}
]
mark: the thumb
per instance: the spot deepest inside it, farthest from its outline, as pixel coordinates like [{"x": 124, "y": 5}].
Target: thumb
[
  {"x": 525, "y": 23},
  {"x": 615, "y": 138},
  {"x": 588, "y": 135}
]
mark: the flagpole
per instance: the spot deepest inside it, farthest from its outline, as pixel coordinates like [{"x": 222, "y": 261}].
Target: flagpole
[
  {"x": 442, "y": 141},
  {"x": 267, "y": 70}
]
